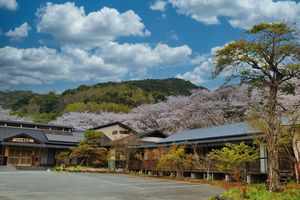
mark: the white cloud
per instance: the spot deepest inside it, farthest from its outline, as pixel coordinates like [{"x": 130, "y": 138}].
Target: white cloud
[
  {"x": 44, "y": 66},
  {"x": 9, "y": 4},
  {"x": 205, "y": 65},
  {"x": 239, "y": 13},
  {"x": 88, "y": 50},
  {"x": 172, "y": 56},
  {"x": 135, "y": 55},
  {"x": 70, "y": 25},
  {"x": 19, "y": 32},
  {"x": 142, "y": 55},
  {"x": 110, "y": 63},
  {"x": 201, "y": 73},
  {"x": 159, "y": 5}
]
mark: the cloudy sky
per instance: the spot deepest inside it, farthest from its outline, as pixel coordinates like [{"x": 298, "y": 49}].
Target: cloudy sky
[{"x": 56, "y": 45}]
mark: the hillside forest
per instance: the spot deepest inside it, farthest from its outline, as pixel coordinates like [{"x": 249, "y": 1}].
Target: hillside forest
[
  {"x": 174, "y": 110},
  {"x": 103, "y": 97}
]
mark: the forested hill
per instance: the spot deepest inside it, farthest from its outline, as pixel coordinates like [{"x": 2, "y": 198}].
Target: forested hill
[
  {"x": 166, "y": 87},
  {"x": 115, "y": 97},
  {"x": 9, "y": 98}
]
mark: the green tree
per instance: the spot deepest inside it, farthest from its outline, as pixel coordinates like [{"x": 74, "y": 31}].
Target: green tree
[
  {"x": 205, "y": 162},
  {"x": 76, "y": 107},
  {"x": 176, "y": 159},
  {"x": 125, "y": 148},
  {"x": 288, "y": 143},
  {"x": 43, "y": 117},
  {"x": 234, "y": 157},
  {"x": 90, "y": 151},
  {"x": 49, "y": 103},
  {"x": 63, "y": 158},
  {"x": 268, "y": 58}
]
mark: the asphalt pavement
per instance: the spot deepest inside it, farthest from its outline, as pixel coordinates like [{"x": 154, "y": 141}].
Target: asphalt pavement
[{"x": 32, "y": 185}]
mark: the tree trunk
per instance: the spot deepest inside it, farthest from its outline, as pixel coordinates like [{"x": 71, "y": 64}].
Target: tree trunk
[
  {"x": 273, "y": 166},
  {"x": 208, "y": 170},
  {"x": 81, "y": 163},
  {"x": 87, "y": 162},
  {"x": 297, "y": 156},
  {"x": 297, "y": 167},
  {"x": 125, "y": 166},
  {"x": 272, "y": 142},
  {"x": 194, "y": 148},
  {"x": 126, "y": 160}
]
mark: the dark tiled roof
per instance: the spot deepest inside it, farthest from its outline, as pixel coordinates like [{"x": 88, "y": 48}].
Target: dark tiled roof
[
  {"x": 149, "y": 133},
  {"x": 35, "y": 124},
  {"x": 148, "y": 144},
  {"x": 42, "y": 136},
  {"x": 105, "y": 141},
  {"x": 73, "y": 137},
  {"x": 8, "y": 132},
  {"x": 57, "y": 132},
  {"x": 112, "y": 124},
  {"x": 209, "y": 133}
]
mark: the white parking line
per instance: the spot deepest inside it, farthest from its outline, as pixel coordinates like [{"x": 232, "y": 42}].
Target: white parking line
[
  {"x": 150, "y": 187},
  {"x": 170, "y": 187},
  {"x": 153, "y": 183},
  {"x": 144, "y": 184},
  {"x": 130, "y": 186},
  {"x": 156, "y": 187}
]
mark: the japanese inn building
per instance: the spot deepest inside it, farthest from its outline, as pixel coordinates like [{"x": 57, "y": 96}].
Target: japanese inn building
[{"x": 26, "y": 144}]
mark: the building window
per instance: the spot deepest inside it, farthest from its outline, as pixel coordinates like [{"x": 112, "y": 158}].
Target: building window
[
  {"x": 124, "y": 132},
  {"x": 115, "y": 132}
]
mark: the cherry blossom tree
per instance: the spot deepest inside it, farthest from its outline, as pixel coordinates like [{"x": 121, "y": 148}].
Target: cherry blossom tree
[
  {"x": 203, "y": 108},
  {"x": 5, "y": 115}
]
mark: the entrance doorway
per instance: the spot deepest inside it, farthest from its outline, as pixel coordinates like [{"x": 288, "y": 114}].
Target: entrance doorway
[{"x": 22, "y": 156}]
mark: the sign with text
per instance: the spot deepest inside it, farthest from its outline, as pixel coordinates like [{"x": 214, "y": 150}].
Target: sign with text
[{"x": 28, "y": 140}]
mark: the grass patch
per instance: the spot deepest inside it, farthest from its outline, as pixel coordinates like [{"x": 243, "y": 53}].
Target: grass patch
[{"x": 259, "y": 192}]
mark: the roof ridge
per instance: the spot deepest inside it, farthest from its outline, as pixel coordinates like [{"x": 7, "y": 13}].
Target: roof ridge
[{"x": 220, "y": 131}]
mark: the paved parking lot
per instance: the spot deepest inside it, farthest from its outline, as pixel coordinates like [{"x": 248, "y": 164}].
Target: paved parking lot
[{"x": 24, "y": 185}]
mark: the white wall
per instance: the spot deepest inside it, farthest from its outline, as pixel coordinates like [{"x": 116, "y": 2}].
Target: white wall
[{"x": 108, "y": 132}]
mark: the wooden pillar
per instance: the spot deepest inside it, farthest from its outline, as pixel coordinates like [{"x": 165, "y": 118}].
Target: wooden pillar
[
  {"x": 227, "y": 177},
  {"x": 249, "y": 179},
  {"x": 263, "y": 159},
  {"x": 2, "y": 155}
]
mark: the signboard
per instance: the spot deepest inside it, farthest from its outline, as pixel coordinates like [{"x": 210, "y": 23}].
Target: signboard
[{"x": 28, "y": 140}]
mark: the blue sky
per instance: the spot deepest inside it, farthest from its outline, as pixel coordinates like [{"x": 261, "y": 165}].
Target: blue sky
[{"x": 56, "y": 45}]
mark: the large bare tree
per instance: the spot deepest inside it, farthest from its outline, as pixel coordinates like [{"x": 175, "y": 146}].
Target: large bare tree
[{"x": 268, "y": 58}]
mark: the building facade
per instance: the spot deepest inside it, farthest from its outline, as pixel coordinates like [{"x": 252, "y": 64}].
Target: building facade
[
  {"x": 115, "y": 139},
  {"x": 201, "y": 141},
  {"x": 26, "y": 144}
]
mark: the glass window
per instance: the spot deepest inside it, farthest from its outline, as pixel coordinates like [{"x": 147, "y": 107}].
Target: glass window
[
  {"x": 23, "y": 156},
  {"x": 124, "y": 132}
]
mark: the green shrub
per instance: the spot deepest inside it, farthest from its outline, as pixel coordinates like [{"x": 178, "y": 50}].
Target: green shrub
[
  {"x": 44, "y": 117},
  {"x": 85, "y": 169},
  {"x": 97, "y": 108},
  {"x": 234, "y": 194},
  {"x": 259, "y": 192}
]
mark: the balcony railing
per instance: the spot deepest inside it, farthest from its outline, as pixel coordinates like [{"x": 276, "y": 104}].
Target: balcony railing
[{"x": 151, "y": 165}]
